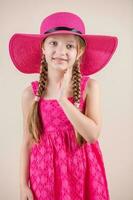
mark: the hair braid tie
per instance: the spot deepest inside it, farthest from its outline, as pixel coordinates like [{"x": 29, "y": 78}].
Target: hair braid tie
[{"x": 37, "y": 98}]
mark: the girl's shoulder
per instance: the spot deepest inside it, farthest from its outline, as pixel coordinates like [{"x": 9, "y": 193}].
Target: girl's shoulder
[
  {"x": 27, "y": 95},
  {"x": 88, "y": 84},
  {"x": 92, "y": 84}
]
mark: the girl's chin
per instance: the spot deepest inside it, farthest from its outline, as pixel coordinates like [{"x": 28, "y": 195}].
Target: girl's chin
[{"x": 61, "y": 67}]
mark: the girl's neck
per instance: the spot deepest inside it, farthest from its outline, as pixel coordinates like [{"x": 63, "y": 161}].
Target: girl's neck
[{"x": 53, "y": 90}]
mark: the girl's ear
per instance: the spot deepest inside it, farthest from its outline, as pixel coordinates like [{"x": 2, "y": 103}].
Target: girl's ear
[
  {"x": 79, "y": 54},
  {"x": 43, "y": 51},
  {"x": 42, "y": 47}
]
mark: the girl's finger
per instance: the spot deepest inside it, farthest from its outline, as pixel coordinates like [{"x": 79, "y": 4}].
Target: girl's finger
[{"x": 30, "y": 198}]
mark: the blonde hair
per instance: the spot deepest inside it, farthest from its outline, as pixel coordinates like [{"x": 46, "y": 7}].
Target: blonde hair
[{"x": 35, "y": 124}]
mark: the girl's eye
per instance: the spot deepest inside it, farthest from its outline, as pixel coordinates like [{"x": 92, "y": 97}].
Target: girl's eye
[
  {"x": 70, "y": 46},
  {"x": 54, "y": 42}
]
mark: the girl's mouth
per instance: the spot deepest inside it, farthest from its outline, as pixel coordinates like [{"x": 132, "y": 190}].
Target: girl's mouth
[{"x": 59, "y": 59}]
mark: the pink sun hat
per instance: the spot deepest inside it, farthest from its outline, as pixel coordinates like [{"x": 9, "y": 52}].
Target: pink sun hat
[{"x": 25, "y": 49}]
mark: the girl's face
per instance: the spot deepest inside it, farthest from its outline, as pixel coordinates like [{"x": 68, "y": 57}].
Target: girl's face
[{"x": 60, "y": 51}]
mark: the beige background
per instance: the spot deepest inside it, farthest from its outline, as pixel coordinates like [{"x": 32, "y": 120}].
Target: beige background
[{"x": 111, "y": 17}]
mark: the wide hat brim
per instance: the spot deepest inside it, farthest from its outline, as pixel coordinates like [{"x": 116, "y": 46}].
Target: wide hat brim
[{"x": 25, "y": 51}]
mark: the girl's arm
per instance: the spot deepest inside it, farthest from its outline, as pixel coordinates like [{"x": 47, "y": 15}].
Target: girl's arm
[
  {"x": 27, "y": 99},
  {"x": 88, "y": 124}
]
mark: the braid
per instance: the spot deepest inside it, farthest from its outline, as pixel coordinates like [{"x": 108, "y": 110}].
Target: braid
[
  {"x": 34, "y": 119},
  {"x": 76, "y": 77},
  {"x": 43, "y": 80}
]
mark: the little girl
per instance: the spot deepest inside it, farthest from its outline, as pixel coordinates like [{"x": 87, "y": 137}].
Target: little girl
[{"x": 60, "y": 155}]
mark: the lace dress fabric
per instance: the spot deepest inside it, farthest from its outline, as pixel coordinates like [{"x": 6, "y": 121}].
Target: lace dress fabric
[{"x": 61, "y": 169}]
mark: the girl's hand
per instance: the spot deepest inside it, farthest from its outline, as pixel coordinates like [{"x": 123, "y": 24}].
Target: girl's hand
[
  {"x": 64, "y": 84},
  {"x": 26, "y": 193}
]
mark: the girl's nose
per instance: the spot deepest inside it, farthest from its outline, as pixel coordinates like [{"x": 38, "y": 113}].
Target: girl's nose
[{"x": 61, "y": 49}]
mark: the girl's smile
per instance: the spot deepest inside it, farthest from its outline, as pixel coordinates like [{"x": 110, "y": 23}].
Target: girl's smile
[
  {"x": 59, "y": 60},
  {"x": 60, "y": 51}
]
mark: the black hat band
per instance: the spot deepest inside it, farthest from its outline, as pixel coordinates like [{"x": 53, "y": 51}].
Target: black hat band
[{"x": 60, "y": 28}]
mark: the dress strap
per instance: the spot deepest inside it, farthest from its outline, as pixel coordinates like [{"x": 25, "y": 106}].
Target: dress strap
[
  {"x": 34, "y": 85},
  {"x": 84, "y": 83},
  {"x": 83, "y": 86}
]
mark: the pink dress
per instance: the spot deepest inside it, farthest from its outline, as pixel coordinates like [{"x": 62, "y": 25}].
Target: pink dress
[{"x": 59, "y": 168}]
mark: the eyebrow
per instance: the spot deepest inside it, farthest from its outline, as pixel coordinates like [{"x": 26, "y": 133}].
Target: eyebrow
[{"x": 72, "y": 41}]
